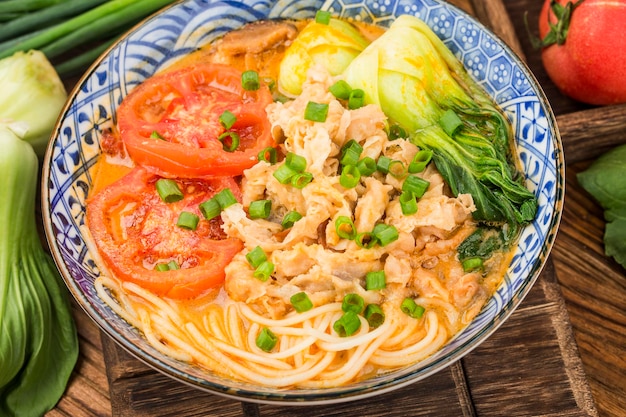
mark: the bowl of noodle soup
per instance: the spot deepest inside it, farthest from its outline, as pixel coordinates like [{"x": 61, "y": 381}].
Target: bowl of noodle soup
[{"x": 164, "y": 41}]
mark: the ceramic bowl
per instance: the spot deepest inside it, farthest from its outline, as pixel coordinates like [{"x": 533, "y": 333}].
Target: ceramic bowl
[{"x": 180, "y": 29}]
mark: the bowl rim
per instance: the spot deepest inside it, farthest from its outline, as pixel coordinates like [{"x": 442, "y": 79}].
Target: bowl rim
[{"x": 317, "y": 396}]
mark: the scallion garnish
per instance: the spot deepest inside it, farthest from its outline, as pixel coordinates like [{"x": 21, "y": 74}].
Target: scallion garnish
[
  {"x": 365, "y": 240},
  {"x": 301, "y": 302},
  {"x": 210, "y": 208},
  {"x": 156, "y": 135},
  {"x": 161, "y": 267},
  {"x": 256, "y": 257},
  {"x": 382, "y": 165},
  {"x": 250, "y": 80},
  {"x": 353, "y": 302},
  {"x": 356, "y": 99},
  {"x": 340, "y": 90},
  {"x": 187, "y": 220},
  {"x": 344, "y": 227},
  {"x": 260, "y": 209},
  {"x": 173, "y": 265},
  {"x": 420, "y": 160},
  {"x": 266, "y": 340},
  {"x": 230, "y": 141},
  {"x": 450, "y": 122},
  {"x": 168, "y": 190},
  {"x": 472, "y": 264},
  {"x": 316, "y": 112},
  {"x": 301, "y": 179},
  {"x": 411, "y": 308},
  {"x": 227, "y": 119},
  {"x": 295, "y": 162},
  {"x": 348, "y": 324},
  {"x": 225, "y": 198},
  {"x": 408, "y": 203},
  {"x": 322, "y": 17},
  {"x": 350, "y": 153},
  {"x": 397, "y": 169},
  {"x": 290, "y": 218},
  {"x": 385, "y": 234},
  {"x": 268, "y": 155},
  {"x": 264, "y": 271},
  {"x": 284, "y": 173},
  {"x": 350, "y": 176},
  {"x": 415, "y": 185},
  {"x": 374, "y": 315},
  {"x": 396, "y": 132},
  {"x": 366, "y": 166},
  {"x": 375, "y": 280}
]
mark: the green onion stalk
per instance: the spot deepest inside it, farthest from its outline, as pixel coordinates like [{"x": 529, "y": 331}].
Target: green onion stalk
[{"x": 421, "y": 86}]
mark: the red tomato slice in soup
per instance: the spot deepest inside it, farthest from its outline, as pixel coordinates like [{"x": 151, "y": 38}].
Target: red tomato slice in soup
[
  {"x": 134, "y": 230},
  {"x": 183, "y": 107}
]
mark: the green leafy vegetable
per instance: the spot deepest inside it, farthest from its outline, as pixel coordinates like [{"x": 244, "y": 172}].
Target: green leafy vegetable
[
  {"x": 333, "y": 45},
  {"x": 38, "y": 341},
  {"x": 32, "y": 94},
  {"x": 605, "y": 180},
  {"x": 424, "y": 88}
]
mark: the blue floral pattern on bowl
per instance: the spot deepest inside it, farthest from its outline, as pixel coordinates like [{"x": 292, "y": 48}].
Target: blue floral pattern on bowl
[{"x": 180, "y": 29}]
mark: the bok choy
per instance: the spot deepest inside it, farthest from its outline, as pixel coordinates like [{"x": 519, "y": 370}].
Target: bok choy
[
  {"x": 424, "y": 88},
  {"x": 38, "y": 339}
]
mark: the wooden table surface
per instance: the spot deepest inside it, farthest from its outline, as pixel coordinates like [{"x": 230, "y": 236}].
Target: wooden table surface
[{"x": 593, "y": 286}]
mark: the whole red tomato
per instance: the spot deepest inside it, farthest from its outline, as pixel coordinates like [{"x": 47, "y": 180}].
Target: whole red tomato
[{"x": 584, "y": 49}]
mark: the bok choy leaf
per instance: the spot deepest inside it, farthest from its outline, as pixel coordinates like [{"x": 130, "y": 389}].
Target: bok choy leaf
[{"x": 423, "y": 87}]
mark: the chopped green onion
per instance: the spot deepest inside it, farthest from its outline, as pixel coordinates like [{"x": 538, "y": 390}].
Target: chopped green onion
[
  {"x": 268, "y": 155},
  {"x": 382, "y": 165},
  {"x": 256, "y": 257},
  {"x": 264, "y": 271},
  {"x": 472, "y": 264},
  {"x": 173, "y": 265},
  {"x": 316, "y": 112},
  {"x": 408, "y": 203},
  {"x": 350, "y": 152},
  {"x": 353, "y": 302},
  {"x": 322, "y": 17},
  {"x": 295, "y": 162},
  {"x": 290, "y": 218},
  {"x": 283, "y": 174},
  {"x": 210, "y": 208},
  {"x": 161, "y": 267},
  {"x": 450, "y": 122},
  {"x": 187, "y": 220},
  {"x": 396, "y": 132},
  {"x": 366, "y": 166},
  {"x": 375, "y": 280},
  {"x": 227, "y": 119},
  {"x": 385, "y": 234},
  {"x": 344, "y": 226},
  {"x": 301, "y": 179},
  {"x": 260, "y": 209},
  {"x": 420, "y": 160},
  {"x": 365, "y": 240},
  {"x": 411, "y": 308},
  {"x": 340, "y": 90},
  {"x": 374, "y": 315},
  {"x": 356, "y": 99},
  {"x": 266, "y": 340},
  {"x": 225, "y": 198},
  {"x": 397, "y": 169},
  {"x": 168, "y": 190},
  {"x": 250, "y": 80},
  {"x": 301, "y": 302},
  {"x": 230, "y": 141},
  {"x": 348, "y": 324},
  {"x": 156, "y": 135},
  {"x": 350, "y": 176},
  {"x": 415, "y": 185}
]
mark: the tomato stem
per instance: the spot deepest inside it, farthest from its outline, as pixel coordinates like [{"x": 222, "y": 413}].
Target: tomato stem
[{"x": 558, "y": 31}]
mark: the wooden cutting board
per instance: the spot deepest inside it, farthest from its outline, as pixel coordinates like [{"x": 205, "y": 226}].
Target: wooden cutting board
[{"x": 529, "y": 367}]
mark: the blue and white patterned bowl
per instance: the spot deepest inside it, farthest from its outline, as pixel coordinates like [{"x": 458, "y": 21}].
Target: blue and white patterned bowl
[{"x": 180, "y": 29}]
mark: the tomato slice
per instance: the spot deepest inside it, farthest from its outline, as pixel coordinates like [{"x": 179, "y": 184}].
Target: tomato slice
[
  {"x": 183, "y": 107},
  {"x": 134, "y": 229}
]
